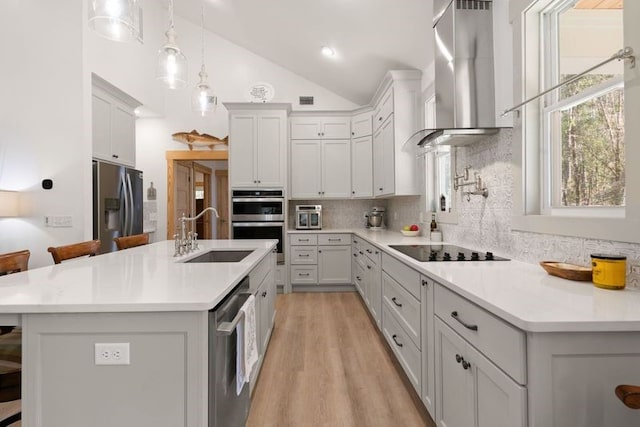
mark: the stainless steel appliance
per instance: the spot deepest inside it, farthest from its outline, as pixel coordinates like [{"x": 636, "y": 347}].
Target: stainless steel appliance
[
  {"x": 464, "y": 78},
  {"x": 117, "y": 203},
  {"x": 308, "y": 217},
  {"x": 226, "y": 407},
  {"x": 426, "y": 253},
  {"x": 376, "y": 219},
  {"x": 258, "y": 214}
]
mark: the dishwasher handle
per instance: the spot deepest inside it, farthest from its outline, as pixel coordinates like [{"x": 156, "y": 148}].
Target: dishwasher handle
[{"x": 227, "y": 328}]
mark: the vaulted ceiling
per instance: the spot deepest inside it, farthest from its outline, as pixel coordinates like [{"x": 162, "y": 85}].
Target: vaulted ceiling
[{"x": 368, "y": 36}]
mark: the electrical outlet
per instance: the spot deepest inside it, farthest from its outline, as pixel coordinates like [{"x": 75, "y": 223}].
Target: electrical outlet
[
  {"x": 634, "y": 276},
  {"x": 112, "y": 353},
  {"x": 58, "y": 221}
]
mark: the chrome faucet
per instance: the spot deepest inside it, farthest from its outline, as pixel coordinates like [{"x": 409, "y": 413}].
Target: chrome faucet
[{"x": 188, "y": 241}]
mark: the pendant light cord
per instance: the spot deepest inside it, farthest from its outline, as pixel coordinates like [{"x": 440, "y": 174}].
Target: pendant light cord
[
  {"x": 202, "y": 22},
  {"x": 171, "y": 14}
]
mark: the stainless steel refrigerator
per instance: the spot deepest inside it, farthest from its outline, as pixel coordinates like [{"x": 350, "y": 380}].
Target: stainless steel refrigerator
[{"x": 117, "y": 203}]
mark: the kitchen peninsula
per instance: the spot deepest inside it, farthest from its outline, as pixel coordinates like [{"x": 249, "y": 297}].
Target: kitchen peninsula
[{"x": 142, "y": 296}]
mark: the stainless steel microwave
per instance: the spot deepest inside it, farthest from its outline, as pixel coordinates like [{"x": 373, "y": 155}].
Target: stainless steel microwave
[{"x": 308, "y": 217}]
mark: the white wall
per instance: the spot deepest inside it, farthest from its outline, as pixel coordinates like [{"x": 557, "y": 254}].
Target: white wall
[{"x": 43, "y": 117}]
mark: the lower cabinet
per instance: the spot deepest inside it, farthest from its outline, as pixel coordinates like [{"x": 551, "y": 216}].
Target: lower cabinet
[
  {"x": 471, "y": 390},
  {"x": 320, "y": 259},
  {"x": 265, "y": 293}
]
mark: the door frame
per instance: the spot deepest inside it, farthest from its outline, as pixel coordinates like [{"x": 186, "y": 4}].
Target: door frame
[
  {"x": 207, "y": 172},
  {"x": 172, "y": 157},
  {"x": 219, "y": 174}
]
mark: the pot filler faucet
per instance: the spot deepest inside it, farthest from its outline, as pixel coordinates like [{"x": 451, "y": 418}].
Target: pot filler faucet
[{"x": 186, "y": 242}]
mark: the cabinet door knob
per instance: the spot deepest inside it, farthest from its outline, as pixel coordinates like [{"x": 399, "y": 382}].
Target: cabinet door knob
[
  {"x": 353, "y": 192},
  {"x": 259, "y": 181},
  {"x": 380, "y": 118},
  {"x": 459, "y": 358},
  {"x": 319, "y": 251},
  {"x": 425, "y": 283},
  {"x": 357, "y": 277},
  {"x": 380, "y": 189},
  {"x": 318, "y": 133},
  {"x": 353, "y": 133},
  {"x": 115, "y": 156},
  {"x": 466, "y": 365},
  {"x": 369, "y": 267}
]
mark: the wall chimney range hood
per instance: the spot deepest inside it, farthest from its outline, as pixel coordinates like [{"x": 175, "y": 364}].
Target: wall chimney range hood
[{"x": 465, "y": 107}]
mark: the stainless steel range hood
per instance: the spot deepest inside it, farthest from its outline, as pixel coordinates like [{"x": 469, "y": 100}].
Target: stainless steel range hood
[{"x": 464, "y": 75}]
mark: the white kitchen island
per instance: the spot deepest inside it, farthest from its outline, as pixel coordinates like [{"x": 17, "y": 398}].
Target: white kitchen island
[{"x": 142, "y": 296}]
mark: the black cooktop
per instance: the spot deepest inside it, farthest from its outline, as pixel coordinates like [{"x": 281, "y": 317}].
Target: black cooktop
[{"x": 427, "y": 253}]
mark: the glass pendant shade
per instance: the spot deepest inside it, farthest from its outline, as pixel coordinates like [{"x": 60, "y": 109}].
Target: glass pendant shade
[
  {"x": 172, "y": 64},
  {"x": 118, "y": 20},
  {"x": 203, "y": 100}
]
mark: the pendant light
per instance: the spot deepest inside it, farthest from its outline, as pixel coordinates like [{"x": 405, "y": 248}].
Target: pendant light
[
  {"x": 172, "y": 64},
  {"x": 118, "y": 20},
  {"x": 203, "y": 100}
]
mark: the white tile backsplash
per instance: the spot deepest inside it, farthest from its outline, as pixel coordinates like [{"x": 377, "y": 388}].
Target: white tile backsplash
[{"x": 485, "y": 224}]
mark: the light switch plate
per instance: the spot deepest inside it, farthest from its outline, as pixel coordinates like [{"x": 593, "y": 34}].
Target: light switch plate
[{"x": 58, "y": 221}]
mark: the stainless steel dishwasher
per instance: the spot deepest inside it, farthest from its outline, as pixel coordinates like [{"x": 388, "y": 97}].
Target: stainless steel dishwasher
[{"x": 226, "y": 407}]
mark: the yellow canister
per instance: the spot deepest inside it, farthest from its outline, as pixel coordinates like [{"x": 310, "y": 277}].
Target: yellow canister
[{"x": 609, "y": 271}]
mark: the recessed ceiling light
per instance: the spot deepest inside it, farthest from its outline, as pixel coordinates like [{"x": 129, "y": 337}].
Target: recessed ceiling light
[{"x": 327, "y": 51}]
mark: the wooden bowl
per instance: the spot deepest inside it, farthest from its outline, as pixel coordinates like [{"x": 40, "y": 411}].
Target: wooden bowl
[{"x": 567, "y": 271}]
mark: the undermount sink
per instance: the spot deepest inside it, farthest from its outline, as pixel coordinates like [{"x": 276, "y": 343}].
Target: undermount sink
[{"x": 221, "y": 256}]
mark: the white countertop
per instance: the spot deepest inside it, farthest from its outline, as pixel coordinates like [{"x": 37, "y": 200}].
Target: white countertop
[
  {"x": 144, "y": 278},
  {"x": 522, "y": 294}
]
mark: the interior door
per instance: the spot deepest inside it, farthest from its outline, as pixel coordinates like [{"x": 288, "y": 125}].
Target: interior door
[
  {"x": 222, "y": 202},
  {"x": 183, "y": 191}
]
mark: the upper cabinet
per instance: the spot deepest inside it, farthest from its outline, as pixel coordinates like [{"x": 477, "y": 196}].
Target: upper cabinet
[
  {"x": 113, "y": 123},
  {"x": 337, "y": 127},
  {"x": 361, "y": 125},
  {"x": 257, "y": 144},
  {"x": 396, "y": 117}
]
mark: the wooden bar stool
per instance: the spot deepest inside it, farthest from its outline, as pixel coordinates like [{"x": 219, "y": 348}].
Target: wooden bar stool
[
  {"x": 75, "y": 250},
  {"x": 11, "y": 343},
  {"x": 629, "y": 395},
  {"x": 131, "y": 241}
]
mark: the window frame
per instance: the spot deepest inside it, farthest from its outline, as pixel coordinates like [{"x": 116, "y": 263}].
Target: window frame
[{"x": 528, "y": 213}]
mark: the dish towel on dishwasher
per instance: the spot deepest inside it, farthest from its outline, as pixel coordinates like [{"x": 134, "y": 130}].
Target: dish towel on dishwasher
[{"x": 247, "y": 345}]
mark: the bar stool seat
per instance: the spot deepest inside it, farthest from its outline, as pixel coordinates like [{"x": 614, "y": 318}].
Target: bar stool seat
[{"x": 127, "y": 242}]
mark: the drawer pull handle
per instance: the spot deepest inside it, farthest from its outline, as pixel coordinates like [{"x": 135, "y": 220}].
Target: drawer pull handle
[
  {"x": 396, "y": 302},
  {"x": 303, "y": 240},
  {"x": 303, "y": 255},
  {"x": 334, "y": 240},
  {"x": 303, "y": 274},
  {"x": 454, "y": 314},
  {"x": 396, "y": 341}
]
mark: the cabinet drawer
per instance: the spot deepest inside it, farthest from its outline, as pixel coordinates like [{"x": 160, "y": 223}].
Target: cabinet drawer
[
  {"x": 304, "y": 255},
  {"x": 303, "y": 239},
  {"x": 404, "y": 306},
  {"x": 373, "y": 253},
  {"x": 407, "y": 353},
  {"x": 257, "y": 275},
  {"x": 407, "y": 277},
  {"x": 334, "y": 239},
  {"x": 499, "y": 341},
  {"x": 304, "y": 274}
]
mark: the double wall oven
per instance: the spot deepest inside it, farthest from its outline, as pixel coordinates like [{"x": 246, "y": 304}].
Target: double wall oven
[{"x": 258, "y": 214}]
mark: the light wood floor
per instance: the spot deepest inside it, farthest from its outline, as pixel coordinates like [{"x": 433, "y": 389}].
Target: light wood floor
[{"x": 328, "y": 366}]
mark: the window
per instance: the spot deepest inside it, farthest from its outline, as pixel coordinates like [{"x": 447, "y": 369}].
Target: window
[
  {"x": 574, "y": 174},
  {"x": 583, "y": 121}
]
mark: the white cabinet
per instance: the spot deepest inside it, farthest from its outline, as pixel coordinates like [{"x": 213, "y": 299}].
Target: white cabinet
[
  {"x": 471, "y": 389},
  {"x": 361, "y": 125},
  {"x": 257, "y": 145},
  {"x": 362, "y": 167},
  {"x": 383, "y": 160},
  {"x": 304, "y": 127},
  {"x": 320, "y": 168},
  {"x": 320, "y": 259},
  {"x": 113, "y": 124},
  {"x": 396, "y": 169},
  {"x": 263, "y": 284},
  {"x": 334, "y": 265},
  {"x": 428, "y": 395}
]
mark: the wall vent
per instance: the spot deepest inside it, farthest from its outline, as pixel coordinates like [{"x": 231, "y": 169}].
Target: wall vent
[
  {"x": 473, "y": 4},
  {"x": 306, "y": 100}
]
